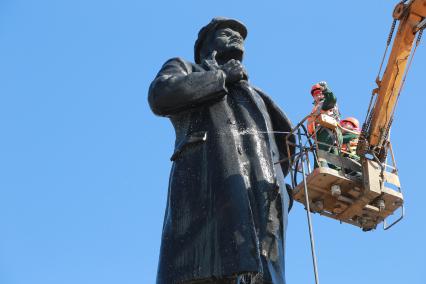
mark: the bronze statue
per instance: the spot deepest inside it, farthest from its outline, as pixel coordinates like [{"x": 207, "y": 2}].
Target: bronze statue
[{"x": 227, "y": 204}]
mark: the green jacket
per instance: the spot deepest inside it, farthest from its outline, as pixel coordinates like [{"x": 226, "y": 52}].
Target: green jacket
[
  {"x": 347, "y": 137},
  {"x": 329, "y": 101}
]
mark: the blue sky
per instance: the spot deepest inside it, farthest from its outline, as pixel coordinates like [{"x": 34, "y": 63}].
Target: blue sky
[{"x": 84, "y": 163}]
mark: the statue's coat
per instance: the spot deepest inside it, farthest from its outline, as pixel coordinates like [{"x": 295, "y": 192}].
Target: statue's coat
[{"x": 227, "y": 202}]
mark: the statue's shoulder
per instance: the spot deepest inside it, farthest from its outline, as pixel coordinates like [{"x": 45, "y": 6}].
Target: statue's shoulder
[
  {"x": 267, "y": 99},
  {"x": 259, "y": 91},
  {"x": 178, "y": 63},
  {"x": 272, "y": 106},
  {"x": 177, "y": 60},
  {"x": 265, "y": 96}
]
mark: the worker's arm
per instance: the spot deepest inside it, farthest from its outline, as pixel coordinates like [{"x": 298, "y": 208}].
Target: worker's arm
[
  {"x": 329, "y": 99},
  {"x": 181, "y": 85},
  {"x": 347, "y": 137}
]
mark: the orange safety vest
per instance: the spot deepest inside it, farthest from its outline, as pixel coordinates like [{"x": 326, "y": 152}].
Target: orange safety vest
[{"x": 312, "y": 124}]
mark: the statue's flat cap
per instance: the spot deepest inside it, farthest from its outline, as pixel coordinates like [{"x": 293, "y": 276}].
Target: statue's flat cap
[{"x": 215, "y": 24}]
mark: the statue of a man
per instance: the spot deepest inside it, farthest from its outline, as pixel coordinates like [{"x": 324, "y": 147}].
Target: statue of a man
[{"x": 227, "y": 204}]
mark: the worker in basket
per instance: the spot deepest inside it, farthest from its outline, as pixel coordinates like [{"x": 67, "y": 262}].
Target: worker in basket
[
  {"x": 328, "y": 139},
  {"x": 351, "y": 131}
]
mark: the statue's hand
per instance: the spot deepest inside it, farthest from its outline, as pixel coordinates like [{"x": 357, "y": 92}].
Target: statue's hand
[
  {"x": 211, "y": 62},
  {"x": 234, "y": 71}
]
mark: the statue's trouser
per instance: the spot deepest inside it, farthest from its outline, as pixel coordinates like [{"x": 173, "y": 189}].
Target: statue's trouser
[{"x": 250, "y": 278}]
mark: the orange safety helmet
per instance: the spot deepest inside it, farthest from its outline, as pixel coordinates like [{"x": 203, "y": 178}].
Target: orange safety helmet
[
  {"x": 351, "y": 120},
  {"x": 315, "y": 88}
]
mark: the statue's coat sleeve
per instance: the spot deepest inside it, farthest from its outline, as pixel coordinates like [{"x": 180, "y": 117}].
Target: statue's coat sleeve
[{"x": 181, "y": 85}]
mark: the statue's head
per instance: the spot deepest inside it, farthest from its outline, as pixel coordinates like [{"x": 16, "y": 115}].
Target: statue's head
[{"x": 226, "y": 36}]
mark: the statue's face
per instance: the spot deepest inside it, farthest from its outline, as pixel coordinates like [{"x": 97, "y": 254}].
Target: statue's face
[{"x": 228, "y": 44}]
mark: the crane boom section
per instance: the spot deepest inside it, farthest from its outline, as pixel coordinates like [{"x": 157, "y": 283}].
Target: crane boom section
[{"x": 411, "y": 15}]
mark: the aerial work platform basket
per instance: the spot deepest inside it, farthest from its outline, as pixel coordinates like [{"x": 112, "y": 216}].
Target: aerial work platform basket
[{"x": 362, "y": 193}]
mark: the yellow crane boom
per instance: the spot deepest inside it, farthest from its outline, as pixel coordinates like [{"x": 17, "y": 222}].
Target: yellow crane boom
[{"x": 412, "y": 20}]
